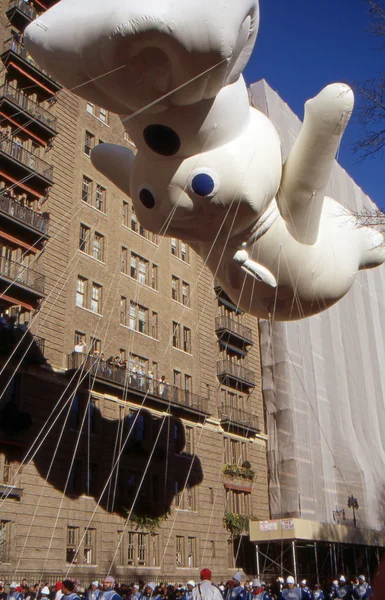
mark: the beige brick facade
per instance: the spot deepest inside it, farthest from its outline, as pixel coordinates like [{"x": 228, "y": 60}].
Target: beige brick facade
[{"x": 184, "y": 434}]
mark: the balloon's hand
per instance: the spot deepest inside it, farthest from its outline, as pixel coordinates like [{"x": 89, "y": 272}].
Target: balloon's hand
[{"x": 259, "y": 272}]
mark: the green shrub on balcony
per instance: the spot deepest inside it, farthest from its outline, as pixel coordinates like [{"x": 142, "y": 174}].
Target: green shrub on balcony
[
  {"x": 148, "y": 517},
  {"x": 238, "y": 471},
  {"x": 236, "y": 524}
]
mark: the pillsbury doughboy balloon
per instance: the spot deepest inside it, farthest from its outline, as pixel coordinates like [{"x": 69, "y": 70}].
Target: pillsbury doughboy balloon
[{"x": 208, "y": 167}]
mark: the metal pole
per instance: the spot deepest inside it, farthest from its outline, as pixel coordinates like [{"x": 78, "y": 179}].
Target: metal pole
[
  {"x": 331, "y": 560},
  {"x": 257, "y": 558},
  {"x": 294, "y": 561},
  {"x": 355, "y": 561},
  {"x": 367, "y": 564},
  {"x": 335, "y": 560},
  {"x": 316, "y": 560}
]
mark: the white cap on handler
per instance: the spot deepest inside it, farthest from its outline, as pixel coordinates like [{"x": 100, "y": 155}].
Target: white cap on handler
[
  {"x": 238, "y": 576},
  {"x": 290, "y": 579}
]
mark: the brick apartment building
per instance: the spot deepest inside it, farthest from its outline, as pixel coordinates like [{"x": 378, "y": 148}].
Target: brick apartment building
[{"x": 100, "y": 439}]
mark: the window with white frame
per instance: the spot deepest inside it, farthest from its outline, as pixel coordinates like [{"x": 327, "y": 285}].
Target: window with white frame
[
  {"x": 176, "y": 334},
  {"x": 185, "y": 293},
  {"x": 87, "y": 189},
  {"x": 72, "y": 543},
  {"x": 89, "y": 547},
  {"x": 139, "y": 549},
  {"x": 191, "y": 551},
  {"x": 89, "y": 143},
  {"x": 123, "y": 310},
  {"x": 4, "y": 540},
  {"x": 100, "y": 198},
  {"x": 187, "y": 340},
  {"x": 81, "y": 291},
  {"x": 179, "y": 554},
  {"x": 138, "y": 318},
  {"x": 125, "y": 213},
  {"x": 84, "y": 238},
  {"x": 96, "y": 298},
  {"x": 98, "y": 246}
]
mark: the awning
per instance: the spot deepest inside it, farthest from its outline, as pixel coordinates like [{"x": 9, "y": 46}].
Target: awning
[
  {"x": 21, "y": 185},
  {"x": 15, "y": 302},
  {"x": 232, "y": 348},
  {"x": 18, "y": 242},
  {"x": 313, "y": 531},
  {"x": 31, "y": 78},
  {"x": 23, "y": 128},
  {"x": 229, "y": 305}
]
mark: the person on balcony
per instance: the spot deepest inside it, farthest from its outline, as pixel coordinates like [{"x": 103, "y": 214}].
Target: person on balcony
[{"x": 80, "y": 346}]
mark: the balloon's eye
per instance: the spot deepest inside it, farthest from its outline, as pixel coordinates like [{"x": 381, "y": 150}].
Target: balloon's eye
[
  {"x": 146, "y": 198},
  {"x": 162, "y": 139},
  {"x": 203, "y": 184}
]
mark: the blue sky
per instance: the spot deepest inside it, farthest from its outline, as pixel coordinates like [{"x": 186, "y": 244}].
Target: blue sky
[{"x": 302, "y": 46}]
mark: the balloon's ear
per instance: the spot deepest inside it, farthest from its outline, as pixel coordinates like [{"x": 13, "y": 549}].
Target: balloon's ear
[{"x": 115, "y": 162}]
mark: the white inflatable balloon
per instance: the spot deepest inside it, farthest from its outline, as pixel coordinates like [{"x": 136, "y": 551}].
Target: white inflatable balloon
[{"x": 172, "y": 70}]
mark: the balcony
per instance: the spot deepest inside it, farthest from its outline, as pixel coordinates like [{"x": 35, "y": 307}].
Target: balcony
[
  {"x": 231, "y": 332},
  {"x": 23, "y": 283},
  {"x": 235, "y": 375},
  {"x": 27, "y": 113},
  {"x": 21, "y": 163},
  {"x": 21, "y": 65},
  {"x": 20, "y": 14},
  {"x": 235, "y": 418},
  {"x": 14, "y": 339},
  {"x": 140, "y": 385},
  {"x": 23, "y": 218}
]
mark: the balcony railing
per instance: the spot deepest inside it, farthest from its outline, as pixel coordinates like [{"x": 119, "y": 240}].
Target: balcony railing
[
  {"x": 233, "y": 327},
  {"x": 23, "y": 214},
  {"x": 23, "y": 344},
  {"x": 32, "y": 162},
  {"x": 32, "y": 108},
  {"x": 20, "y": 274},
  {"x": 232, "y": 416},
  {"x": 138, "y": 382},
  {"x": 25, "y": 8},
  {"x": 230, "y": 370},
  {"x": 13, "y": 45}
]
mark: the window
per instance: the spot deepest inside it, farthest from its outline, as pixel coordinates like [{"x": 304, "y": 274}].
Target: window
[
  {"x": 189, "y": 445},
  {"x": 235, "y": 451},
  {"x": 191, "y": 551},
  {"x": 123, "y": 260},
  {"x": 81, "y": 291},
  {"x": 185, "y": 294},
  {"x": 139, "y": 549},
  {"x": 79, "y": 338},
  {"x": 89, "y": 547},
  {"x": 72, "y": 543},
  {"x": 212, "y": 548},
  {"x": 95, "y": 345},
  {"x": 179, "y": 551},
  {"x": 125, "y": 213},
  {"x": 184, "y": 497},
  {"x": 89, "y": 143},
  {"x": 100, "y": 199},
  {"x": 184, "y": 252},
  {"x": 86, "y": 189},
  {"x": 74, "y": 416},
  {"x": 154, "y": 325},
  {"x": 7, "y": 470},
  {"x": 123, "y": 310},
  {"x": 4, "y": 540},
  {"x": 175, "y": 288},
  {"x": 187, "y": 339},
  {"x": 90, "y": 108},
  {"x": 103, "y": 115},
  {"x": 188, "y": 383},
  {"x": 98, "y": 246},
  {"x": 92, "y": 417},
  {"x": 138, "y": 318},
  {"x": 175, "y": 334},
  {"x": 238, "y": 502},
  {"x": 74, "y": 478},
  {"x": 134, "y": 221},
  {"x": 84, "y": 236},
  {"x": 180, "y": 250},
  {"x": 154, "y": 277},
  {"x": 211, "y": 495},
  {"x": 96, "y": 298},
  {"x": 142, "y": 548},
  {"x": 177, "y": 378},
  {"x": 177, "y": 495}
]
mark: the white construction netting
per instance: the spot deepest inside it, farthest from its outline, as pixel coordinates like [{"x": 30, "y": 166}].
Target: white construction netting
[{"x": 324, "y": 385}]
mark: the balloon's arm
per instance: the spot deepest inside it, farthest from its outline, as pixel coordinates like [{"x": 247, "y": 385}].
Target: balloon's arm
[
  {"x": 307, "y": 169},
  {"x": 115, "y": 162}
]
